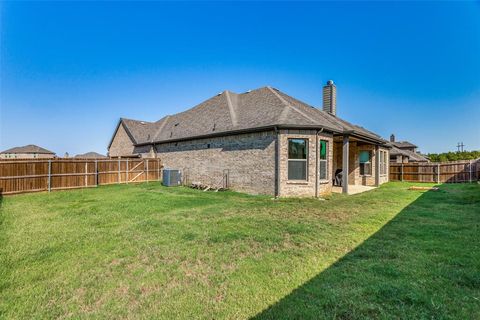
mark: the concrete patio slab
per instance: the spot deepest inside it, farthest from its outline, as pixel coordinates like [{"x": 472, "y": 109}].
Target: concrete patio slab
[{"x": 353, "y": 189}]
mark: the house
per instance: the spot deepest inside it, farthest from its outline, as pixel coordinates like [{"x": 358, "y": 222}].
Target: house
[
  {"x": 404, "y": 152},
  {"x": 91, "y": 155},
  {"x": 261, "y": 141},
  {"x": 30, "y": 151}
]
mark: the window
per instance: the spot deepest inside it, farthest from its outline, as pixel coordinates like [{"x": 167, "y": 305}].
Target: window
[
  {"x": 365, "y": 163},
  {"x": 323, "y": 170},
  {"x": 383, "y": 162},
  {"x": 297, "y": 159}
]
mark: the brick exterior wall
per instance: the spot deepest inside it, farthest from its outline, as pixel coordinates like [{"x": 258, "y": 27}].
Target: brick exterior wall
[
  {"x": 247, "y": 159},
  {"x": 305, "y": 188},
  {"x": 121, "y": 145}
]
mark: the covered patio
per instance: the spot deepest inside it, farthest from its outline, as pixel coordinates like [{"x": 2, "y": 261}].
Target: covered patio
[{"x": 361, "y": 163}]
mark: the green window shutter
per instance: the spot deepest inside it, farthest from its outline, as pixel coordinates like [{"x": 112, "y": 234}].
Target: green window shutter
[{"x": 323, "y": 149}]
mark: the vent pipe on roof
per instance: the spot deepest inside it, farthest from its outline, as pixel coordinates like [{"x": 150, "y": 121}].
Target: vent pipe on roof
[{"x": 330, "y": 98}]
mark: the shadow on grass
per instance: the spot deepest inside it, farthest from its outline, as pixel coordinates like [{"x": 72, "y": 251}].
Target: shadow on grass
[{"x": 422, "y": 264}]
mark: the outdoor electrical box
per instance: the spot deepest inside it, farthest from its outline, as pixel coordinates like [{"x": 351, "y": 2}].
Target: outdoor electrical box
[{"x": 172, "y": 177}]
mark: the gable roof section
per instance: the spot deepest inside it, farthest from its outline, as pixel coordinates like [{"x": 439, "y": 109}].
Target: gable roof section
[
  {"x": 31, "y": 148},
  {"x": 403, "y": 144},
  {"x": 230, "y": 112}
]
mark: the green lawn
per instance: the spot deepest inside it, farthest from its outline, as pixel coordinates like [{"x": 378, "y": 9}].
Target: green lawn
[{"x": 146, "y": 251}]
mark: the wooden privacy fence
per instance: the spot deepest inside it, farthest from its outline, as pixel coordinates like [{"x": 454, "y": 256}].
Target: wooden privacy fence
[
  {"x": 441, "y": 172},
  {"x": 19, "y": 176}
]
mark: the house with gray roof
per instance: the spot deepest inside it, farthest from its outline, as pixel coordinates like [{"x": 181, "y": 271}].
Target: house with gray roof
[
  {"x": 404, "y": 152},
  {"x": 262, "y": 141},
  {"x": 30, "y": 151}
]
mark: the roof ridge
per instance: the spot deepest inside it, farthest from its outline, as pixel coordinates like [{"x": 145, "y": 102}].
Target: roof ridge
[
  {"x": 321, "y": 113},
  {"x": 233, "y": 115},
  {"x": 288, "y": 105},
  {"x": 162, "y": 125},
  {"x": 128, "y": 119}
]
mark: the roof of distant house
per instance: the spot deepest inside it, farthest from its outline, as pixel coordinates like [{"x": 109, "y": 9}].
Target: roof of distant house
[
  {"x": 230, "y": 112},
  {"x": 92, "y": 154},
  {"x": 411, "y": 155},
  {"x": 31, "y": 148},
  {"x": 403, "y": 144}
]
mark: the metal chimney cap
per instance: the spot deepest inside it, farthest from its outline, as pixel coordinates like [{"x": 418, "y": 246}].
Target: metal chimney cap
[{"x": 330, "y": 82}]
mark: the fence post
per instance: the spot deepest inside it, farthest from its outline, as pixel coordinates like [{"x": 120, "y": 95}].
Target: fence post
[
  {"x": 401, "y": 172},
  {"x": 126, "y": 172},
  {"x": 119, "y": 171},
  {"x": 86, "y": 173},
  {"x": 438, "y": 172},
  {"x": 147, "y": 170},
  {"x": 158, "y": 169},
  {"x": 96, "y": 173},
  {"x": 470, "y": 169},
  {"x": 49, "y": 182}
]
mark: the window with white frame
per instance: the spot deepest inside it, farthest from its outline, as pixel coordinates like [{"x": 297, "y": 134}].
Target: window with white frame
[
  {"x": 297, "y": 159},
  {"x": 323, "y": 169},
  {"x": 383, "y": 162},
  {"x": 365, "y": 163}
]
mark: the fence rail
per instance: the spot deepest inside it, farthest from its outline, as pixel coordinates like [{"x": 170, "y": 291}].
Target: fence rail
[
  {"x": 20, "y": 176},
  {"x": 441, "y": 172}
]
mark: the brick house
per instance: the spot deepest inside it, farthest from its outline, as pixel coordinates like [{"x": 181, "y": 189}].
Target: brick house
[
  {"x": 30, "y": 151},
  {"x": 263, "y": 142},
  {"x": 404, "y": 152}
]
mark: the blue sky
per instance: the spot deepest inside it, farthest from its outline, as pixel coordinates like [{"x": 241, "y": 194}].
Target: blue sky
[{"x": 69, "y": 71}]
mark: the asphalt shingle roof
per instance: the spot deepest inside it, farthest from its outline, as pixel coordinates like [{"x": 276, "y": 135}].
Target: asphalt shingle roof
[
  {"x": 31, "y": 148},
  {"x": 403, "y": 144},
  {"x": 412, "y": 155},
  {"x": 91, "y": 155},
  {"x": 229, "y": 111}
]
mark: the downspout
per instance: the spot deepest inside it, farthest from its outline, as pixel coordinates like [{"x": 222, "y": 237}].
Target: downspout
[
  {"x": 154, "y": 146},
  {"x": 277, "y": 163},
  {"x": 317, "y": 151}
]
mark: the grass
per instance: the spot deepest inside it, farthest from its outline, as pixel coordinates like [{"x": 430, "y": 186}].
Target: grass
[{"x": 146, "y": 251}]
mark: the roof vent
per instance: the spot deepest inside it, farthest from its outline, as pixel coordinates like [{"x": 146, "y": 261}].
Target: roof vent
[
  {"x": 219, "y": 93},
  {"x": 248, "y": 91},
  {"x": 142, "y": 122}
]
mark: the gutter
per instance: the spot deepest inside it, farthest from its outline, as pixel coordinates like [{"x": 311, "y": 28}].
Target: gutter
[{"x": 234, "y": 132}]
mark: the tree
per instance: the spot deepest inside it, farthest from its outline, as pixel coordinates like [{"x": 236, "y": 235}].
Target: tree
[{"x": 454, "y": 156}]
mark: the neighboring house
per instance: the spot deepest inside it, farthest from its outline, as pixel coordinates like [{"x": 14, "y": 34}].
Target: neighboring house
[
  {"x": 262, "y": 141},
  {"x": 26, "y": 152},
  {"x": 404, "y": 152},
  {"x": 91, "y": 155}
]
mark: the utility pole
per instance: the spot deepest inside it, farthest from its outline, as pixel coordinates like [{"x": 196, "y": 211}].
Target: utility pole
[{"x": 460, "y": 146}]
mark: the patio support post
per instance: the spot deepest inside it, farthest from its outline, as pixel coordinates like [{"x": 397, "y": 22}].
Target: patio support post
[
  {"x": 345, "y": 158},
  {"x": 377, "y": 166}
]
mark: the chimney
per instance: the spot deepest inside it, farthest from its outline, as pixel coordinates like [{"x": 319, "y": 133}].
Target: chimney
[
  {"x": 392, "y": 138},
  {"x": 330, "y": 98}
]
